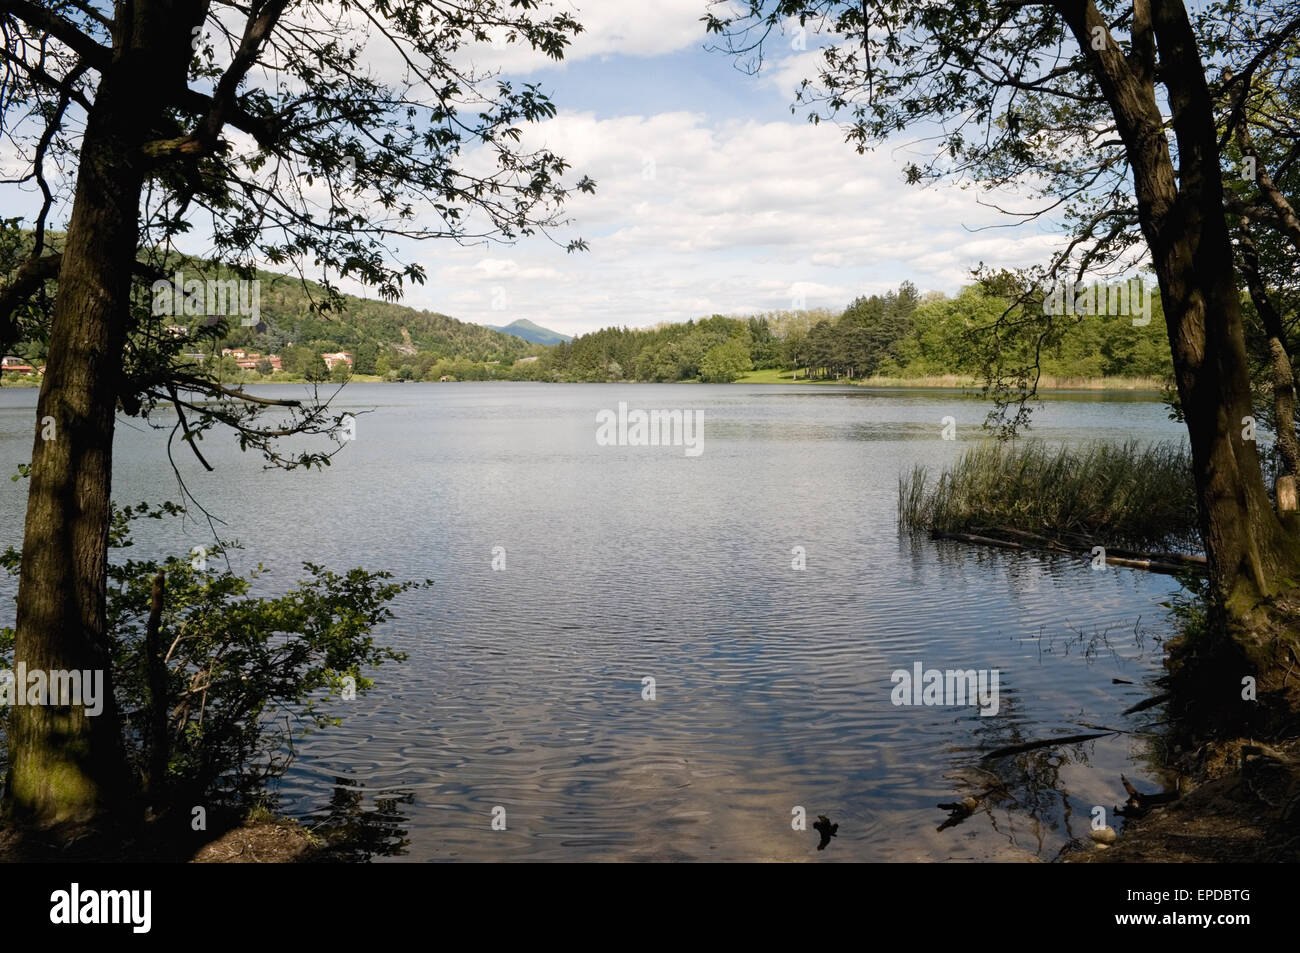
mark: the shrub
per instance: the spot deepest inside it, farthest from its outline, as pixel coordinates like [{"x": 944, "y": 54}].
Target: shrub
[{"x": 244, "y": 674}]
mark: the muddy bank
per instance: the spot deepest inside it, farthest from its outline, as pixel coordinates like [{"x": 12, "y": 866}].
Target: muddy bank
[
  {"x": 263, "y": 842},
  {"x": 259, "y": 838},
  {"x": 1242, "y": 805}
]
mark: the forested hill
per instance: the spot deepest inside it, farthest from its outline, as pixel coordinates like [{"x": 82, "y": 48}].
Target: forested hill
[
  {"x": 369, "y": 329},
  {"x": 381, "y": 335}
]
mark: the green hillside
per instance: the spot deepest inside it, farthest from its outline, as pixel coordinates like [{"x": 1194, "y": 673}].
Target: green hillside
[
  {"x": 377, "y": 333},
  {"x": 384, "y": 338}
]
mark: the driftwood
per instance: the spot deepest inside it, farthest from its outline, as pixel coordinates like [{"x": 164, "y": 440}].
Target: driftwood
[
  {"x": 1044, "y": 743},
  {"x": 1167, "y": 563},
  {"x": 1151, "y": 565},
  {"x": 983, "y": 540},
  {"x": 1042, "y": 541},
  {"x": 958, "y": 811},
  {"x": 1138, "y": 804},
  {"x": 1085, "y": 543},
  {"x": 1148, "y": 703}
]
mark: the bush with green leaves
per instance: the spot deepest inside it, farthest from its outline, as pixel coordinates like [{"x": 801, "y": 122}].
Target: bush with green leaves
[{"x": 244, "y": 674}]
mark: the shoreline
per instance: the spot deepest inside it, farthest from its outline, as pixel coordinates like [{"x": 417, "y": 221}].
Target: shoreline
[
  {"x": 948, "y": 382},
  {"x": 1130, "y": 385},
  {"x": 1240, "y": 804}
]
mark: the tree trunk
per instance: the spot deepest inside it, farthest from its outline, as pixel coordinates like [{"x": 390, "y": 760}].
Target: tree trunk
[
  {"x": 67, "y": 767},
  {"x": 1250, "y": 554},
  {"x": 1283, "y": 375},
  {"x": 156, "y": 668},
  {"x": 1253, "y": 560},
  {"x": 1246, "y": 546}
]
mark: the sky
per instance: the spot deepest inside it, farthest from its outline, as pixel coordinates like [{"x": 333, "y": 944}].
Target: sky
[{"x": 712, "y": 197}]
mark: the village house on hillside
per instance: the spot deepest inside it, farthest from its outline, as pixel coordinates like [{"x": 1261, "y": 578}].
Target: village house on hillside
[
  {"x": 248, "y": 360},
  {"x": 339, "y": 357},
  {"x": 17, "y": 365}
]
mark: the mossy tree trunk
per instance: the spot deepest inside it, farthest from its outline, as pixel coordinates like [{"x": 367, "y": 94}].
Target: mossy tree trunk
[
  {"x": 67, "y": 767},
  {"x": 1254, "y": 559}
]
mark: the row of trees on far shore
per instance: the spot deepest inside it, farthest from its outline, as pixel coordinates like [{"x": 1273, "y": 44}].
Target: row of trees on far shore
[{"x": 900, "y": 334}]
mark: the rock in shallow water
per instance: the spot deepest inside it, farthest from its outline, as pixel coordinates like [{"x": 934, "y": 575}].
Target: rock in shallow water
[{"x": 1104, "y": 837}]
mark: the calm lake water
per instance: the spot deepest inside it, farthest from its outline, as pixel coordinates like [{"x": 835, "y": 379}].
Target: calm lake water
[{"x": 524, "y": 687}]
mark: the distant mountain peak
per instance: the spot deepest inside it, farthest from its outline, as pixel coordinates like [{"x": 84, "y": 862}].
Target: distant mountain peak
[{"x": 532, "y": 333}]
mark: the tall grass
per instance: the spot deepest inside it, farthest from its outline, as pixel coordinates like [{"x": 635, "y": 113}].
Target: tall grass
[{"x": 1119, "y": 495}]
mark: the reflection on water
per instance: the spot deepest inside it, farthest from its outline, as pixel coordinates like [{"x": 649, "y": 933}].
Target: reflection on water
[
  {"x": 358, "y": 830},
  {"x": 523, "y": 690}
]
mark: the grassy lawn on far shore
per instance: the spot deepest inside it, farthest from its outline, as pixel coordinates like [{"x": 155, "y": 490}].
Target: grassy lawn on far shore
[{"x": 954, "y": 381}]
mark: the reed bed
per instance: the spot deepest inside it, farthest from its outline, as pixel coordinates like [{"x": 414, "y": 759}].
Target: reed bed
[{"x": 1127, "y": 494}]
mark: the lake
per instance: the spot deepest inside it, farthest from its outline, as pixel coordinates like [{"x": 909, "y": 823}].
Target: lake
[{"x": 772, "y": 685}]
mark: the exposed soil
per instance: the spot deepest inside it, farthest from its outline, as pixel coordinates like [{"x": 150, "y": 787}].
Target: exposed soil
[
  {"x": 261, "y": 839},
  {"x": 260, "y": 842},
  {"x": 1245, "y": 807}
]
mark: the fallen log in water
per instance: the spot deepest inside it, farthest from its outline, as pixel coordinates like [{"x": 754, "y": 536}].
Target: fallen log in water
[
  {"x": 1084, "y": 544},
  {"x": 1167, "y": 563},
  {"x": 1148, "y": 703},
  {"x": 1151, "y": 565},
  {"x": 1043, "y": 541},
  {"x": 982, "y": 540},
  {"x": 1044, "y": 743},
  {"x": 1139, "y": 804}
]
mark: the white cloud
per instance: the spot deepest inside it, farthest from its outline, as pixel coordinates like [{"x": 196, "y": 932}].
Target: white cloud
[
  {"x": 609, "y": 28},
  {"x": 693, "y": 217},
  {"x": 496, "y": 269}
]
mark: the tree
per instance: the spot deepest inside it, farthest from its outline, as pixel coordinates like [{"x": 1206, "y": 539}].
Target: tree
[
  {"x": 872, "y": 327},
  {"x": 864, "y": 312},
  {"x": 1263, "y": 122},
  {"x": 365, "y": 358},
  {"x": 765, "y": 350},
  {"x": 315, "y": 369},
  {"x": 821, "y": 353},
  {"x": 177, "y": 113},
  {"x": 1068, "y": 97},
  {"x": 725, "y": 362}
]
